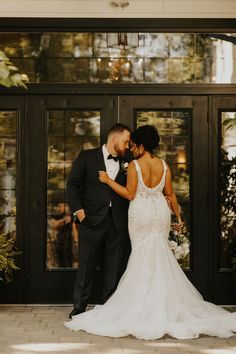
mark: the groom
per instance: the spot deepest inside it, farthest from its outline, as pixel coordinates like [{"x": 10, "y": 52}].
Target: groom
[{"x": 102, "y": 215}]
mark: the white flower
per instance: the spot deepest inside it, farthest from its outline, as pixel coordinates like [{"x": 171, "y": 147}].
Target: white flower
[
  {"x": 178, "y": 253},
  {"x": 124, "y": 166},
  {"x": 185, "y": 246},
  {"x": 173, "y": 244},
  {"x": 179, "y": 244},
  {"x": 185, "y": 253}
]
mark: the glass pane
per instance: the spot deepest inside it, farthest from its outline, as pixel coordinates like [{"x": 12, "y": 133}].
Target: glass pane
[
  {"x": 155, "y": 70},
  {"x": 8, "y": 124},
  {"x": 123, "y": 57},
  {"x": 20, "y": 45},
  {"x": 83, "y": 123},
  {"x": 174, "y": 130},
  {"x": 70, "y": 45},
  {"x": 228, "y": 191},
  {"x": 69, "y": 132},
  {"x": 66, "y": 70}
]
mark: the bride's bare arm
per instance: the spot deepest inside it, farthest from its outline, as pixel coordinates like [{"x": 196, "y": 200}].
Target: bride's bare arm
[
  {"x": 170, "y": 194},
  {"x": 127, "y": 192}
]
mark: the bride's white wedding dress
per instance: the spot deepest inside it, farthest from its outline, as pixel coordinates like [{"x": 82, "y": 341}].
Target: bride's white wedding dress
[{"x": 154, "y": 297}]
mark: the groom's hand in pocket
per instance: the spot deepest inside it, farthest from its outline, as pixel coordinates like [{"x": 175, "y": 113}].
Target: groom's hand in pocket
[{"x": 80, "y": 215}]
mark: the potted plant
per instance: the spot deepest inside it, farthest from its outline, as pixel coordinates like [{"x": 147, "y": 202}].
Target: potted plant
[
  {"x": 8, "y": 253},
  {"x": 9, "y": 76}
]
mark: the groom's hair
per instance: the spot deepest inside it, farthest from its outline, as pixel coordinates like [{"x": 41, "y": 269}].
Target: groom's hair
[{"x": 118, "y": 128}]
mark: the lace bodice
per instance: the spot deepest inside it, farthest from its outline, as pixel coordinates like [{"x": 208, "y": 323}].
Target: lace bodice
[
  {"x": 146, "y": 192},
  {"x": 148, "y": 211}
]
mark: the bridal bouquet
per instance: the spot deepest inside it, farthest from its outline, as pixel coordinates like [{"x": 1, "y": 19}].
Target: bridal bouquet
[{"x": 179, "y": 244}]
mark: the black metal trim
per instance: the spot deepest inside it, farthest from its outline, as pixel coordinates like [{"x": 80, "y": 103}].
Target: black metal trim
[
  {"x": 120, "y": 89},
  {"x": 118, "y": 24}
]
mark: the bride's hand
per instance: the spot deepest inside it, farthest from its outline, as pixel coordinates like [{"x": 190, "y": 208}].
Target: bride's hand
[
  {"x": 103, "y": 177},
  {"x": 178, "y": 226}
]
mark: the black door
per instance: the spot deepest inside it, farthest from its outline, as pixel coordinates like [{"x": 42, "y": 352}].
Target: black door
[
  {"x": 222, "y": 192},
  {"x": 59, "y": 128},
  {"x": 12, "y": 188},
  {"x": 40, "y": 136},
  {"x": 182, "y": 122}
]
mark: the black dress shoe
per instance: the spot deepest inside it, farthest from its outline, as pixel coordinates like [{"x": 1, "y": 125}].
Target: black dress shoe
[{"x": 76, "y": 311}]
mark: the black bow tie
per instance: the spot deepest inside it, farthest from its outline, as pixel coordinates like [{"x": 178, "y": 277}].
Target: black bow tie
[{"x": 115, "y": 158}]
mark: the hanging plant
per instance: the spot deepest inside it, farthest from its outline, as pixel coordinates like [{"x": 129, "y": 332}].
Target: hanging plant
[
  {"x": 228, "y": 197},
  {"x": 8, "y": 253},
  {"x": 9, "y": 73}
]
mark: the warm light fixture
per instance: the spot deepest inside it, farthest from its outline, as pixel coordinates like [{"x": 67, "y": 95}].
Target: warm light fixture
[
  {"x": 115, "y": 3},
  {"x": 119, "y": 3},
  {"x": 122, "y": 40},
  {"x": 124, "y": 3}
]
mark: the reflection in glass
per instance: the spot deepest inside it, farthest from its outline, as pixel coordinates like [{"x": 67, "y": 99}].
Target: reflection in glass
[
  {"x": 8, "y": 172},
  {"x": 155, "y": 58},
  {"x": 228, "y": 190},
  {"x": 174, "y": 130},
  {"x": 122, "y": 40},
  {"x": 69, "y": 132}
]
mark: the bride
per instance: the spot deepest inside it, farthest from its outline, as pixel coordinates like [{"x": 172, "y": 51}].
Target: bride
[{"x": 154, "y": 297}]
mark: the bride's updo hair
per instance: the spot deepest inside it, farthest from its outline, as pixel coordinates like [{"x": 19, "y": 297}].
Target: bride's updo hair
[{"x": 148, "y": 136}]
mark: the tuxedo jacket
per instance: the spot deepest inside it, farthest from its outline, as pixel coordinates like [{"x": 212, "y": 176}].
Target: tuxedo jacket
[{"x": 85, "y": 191}]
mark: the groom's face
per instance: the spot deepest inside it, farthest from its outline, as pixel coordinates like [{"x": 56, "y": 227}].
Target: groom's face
[{"x": 122, "y": 142}]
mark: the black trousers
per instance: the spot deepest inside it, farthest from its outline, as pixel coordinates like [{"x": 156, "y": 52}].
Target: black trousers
[{"x": 95, "y": 240}]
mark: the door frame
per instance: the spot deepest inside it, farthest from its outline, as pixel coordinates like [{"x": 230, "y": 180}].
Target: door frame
[
  {"x": 21, "y": 279},
  {"x": 197, "y": 273},
  {"x": 58, "y": 282},
  {"x": 223, "y": 282},
  {"x": 13, "y": 292}
]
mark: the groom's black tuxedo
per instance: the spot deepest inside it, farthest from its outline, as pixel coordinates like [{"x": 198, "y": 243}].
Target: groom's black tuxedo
[
  {"x": 85, "y": 191},
  {"x": 105, "y": 228}
]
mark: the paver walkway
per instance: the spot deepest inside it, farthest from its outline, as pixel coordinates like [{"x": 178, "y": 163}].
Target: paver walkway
[{"x": 39, "y": 329}]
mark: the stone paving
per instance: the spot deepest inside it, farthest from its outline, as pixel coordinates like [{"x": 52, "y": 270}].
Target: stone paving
[{"x": 39, "y": 330}]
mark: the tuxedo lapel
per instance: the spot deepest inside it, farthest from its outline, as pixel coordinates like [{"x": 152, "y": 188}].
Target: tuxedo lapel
[
  {"x": 101, "y": 166},
  {"x": 101, "y": 162},
  {"x": 120, "y": 161}
]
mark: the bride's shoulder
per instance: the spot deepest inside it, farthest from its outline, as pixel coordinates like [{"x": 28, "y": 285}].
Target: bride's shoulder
[
  {"x": 163, "y": 162},
  {"x": 132, "y": 164}
]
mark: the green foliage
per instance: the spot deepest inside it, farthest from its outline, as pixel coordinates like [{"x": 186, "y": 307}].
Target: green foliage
[
  {"x": 228, "y": 199},
  {"x": 8, "y": 253},
  {"x": 9, "y": 75},
  {"x": 229, "y": 122},
  {"x": 227, "y": 196}
]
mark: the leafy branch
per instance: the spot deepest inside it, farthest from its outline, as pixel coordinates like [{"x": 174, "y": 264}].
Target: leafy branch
[
  {"x": 9, "y": 74},
  {"x": 8, "y": 253}
]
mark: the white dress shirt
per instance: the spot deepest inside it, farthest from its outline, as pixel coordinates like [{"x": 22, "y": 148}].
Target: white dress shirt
[{"x": 112, "y": 166}]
